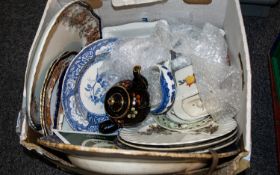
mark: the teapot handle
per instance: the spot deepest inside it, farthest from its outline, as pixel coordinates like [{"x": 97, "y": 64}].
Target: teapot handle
[
  {"x": 140, "y": 81},
  {"x": 108, "y": 127}
]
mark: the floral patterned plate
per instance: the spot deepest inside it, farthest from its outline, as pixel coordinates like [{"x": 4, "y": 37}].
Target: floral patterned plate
[
  {"x": 202, "y": 148},
  {"x": 72, "y": 28},
  {"x": 84, "y": 87},
  {"x": 166, "y": 123},
  {"x": 149, "y": 133},
  {"x": 50, "y": 98}
]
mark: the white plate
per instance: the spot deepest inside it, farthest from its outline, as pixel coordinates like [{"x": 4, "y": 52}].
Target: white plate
[
  {"x": 131, "y": 30},
  {"x": 149, "y": 133},
  {"x": 203, "y": 147},
  {"x": 115, "y": 165},
  {"x": 60, "y": 35}
]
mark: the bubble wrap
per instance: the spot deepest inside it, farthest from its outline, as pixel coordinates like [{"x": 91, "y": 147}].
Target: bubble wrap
[
  {"x": 147, "y": 53},
  {"x": 206, "y": 49},
  {"x": 219, "y": 84}
]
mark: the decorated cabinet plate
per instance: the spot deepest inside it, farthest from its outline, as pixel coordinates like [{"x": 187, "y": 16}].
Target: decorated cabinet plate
[
  {"x": 65, "y": 32},
  {"x": 50, "y": 99},
  {"x": 84, "y": 87}
]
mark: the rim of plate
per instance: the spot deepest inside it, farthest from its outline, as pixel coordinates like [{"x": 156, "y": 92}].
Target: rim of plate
[
  {"x": 64, "y": 96},
  {"x": 192, "y": 148},
  {"x": 64, "y": 57},
  {"x": 35, "y": 62},
  {"x": 90, "y": 151},
  {"x": 131, "y": 134}
]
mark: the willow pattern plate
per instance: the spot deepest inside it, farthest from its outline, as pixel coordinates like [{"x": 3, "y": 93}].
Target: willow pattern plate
[{"x": 84, "y": 87}]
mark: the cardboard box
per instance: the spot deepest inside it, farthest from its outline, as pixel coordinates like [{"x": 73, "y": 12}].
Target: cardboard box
[{"x": 225, "y": 14}]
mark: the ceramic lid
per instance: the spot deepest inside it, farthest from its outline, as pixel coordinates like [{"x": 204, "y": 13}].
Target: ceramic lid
[{"x": 117, "y": 101}]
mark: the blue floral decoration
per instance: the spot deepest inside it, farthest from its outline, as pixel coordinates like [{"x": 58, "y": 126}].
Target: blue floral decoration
[{"x": 74, "y": 117}]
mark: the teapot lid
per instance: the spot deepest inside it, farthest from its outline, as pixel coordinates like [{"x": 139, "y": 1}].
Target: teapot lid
[{"x": 117, "y": 102}]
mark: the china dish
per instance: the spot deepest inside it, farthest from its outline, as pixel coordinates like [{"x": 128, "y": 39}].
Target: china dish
[
  {"x": 65, "y": 32},
  {"x": 84, "y": 87},
  {"x": 188, "y": 105},
  {"x": 168, "y": 124},
  {"x": 87, "y": 139},
  {"x": 50, "y": 95},
  {"x": 150, "y": 134},
  {"x": 203, "y": 147},
  {"x": 158, "y": 162},
  {"x": 131, "y": 30}
]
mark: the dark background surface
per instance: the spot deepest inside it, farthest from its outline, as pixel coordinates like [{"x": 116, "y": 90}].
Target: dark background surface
[{"x": 18, "y": 24}]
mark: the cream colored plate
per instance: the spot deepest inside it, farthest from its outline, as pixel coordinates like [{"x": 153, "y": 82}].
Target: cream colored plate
[{"x": 62, "y": 34}]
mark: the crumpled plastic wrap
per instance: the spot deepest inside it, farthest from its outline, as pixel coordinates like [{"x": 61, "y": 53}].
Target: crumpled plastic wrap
[
  {"x": 146, "y": 52},
  {"x": 219, "y": 84}
]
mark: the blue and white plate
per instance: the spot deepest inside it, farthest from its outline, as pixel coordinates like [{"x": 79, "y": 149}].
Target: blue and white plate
[{"x": 84, "y": 87}]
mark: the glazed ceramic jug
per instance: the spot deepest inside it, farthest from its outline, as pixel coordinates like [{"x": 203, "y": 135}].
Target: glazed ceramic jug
[{"x": 126, "y": 103}]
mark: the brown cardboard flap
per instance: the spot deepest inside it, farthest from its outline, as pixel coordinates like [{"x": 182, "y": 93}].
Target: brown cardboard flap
[{"x": 198, "y": 1}]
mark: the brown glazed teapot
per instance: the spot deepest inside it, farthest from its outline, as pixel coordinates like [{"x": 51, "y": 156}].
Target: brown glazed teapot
[{"x": 127, "y": 103}]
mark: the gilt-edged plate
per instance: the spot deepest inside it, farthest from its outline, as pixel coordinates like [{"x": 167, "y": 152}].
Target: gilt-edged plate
[
  {"x": 85, "y": 85},
  {"x": 51, "y": 92},
  {"x": 149, "y": 133},
  {"x": 203, "y": 147},
  {"x": 72, "y": 28}
]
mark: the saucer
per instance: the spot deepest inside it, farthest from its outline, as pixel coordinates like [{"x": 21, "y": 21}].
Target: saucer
[
  {"x": 149, "y": 133},
  {"x": 84, "y": 87},
  {"x": 203, "y": 147},
  {"x": 166, "y": 123}
]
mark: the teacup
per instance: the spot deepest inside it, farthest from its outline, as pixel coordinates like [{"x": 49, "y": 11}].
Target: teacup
[
  {"x": 188, "y": 105},
  {"x": 168, "y": 89}
]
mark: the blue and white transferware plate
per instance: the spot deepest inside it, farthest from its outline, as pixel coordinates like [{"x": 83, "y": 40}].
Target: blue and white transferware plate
[{"x": 84, "y": 87}]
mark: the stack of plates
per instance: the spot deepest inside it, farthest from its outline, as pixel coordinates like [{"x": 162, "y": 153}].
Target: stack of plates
[{"x": 150, "y": 136}]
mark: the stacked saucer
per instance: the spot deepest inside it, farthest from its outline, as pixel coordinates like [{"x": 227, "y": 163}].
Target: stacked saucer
[{"x": 211, "y": 134}]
